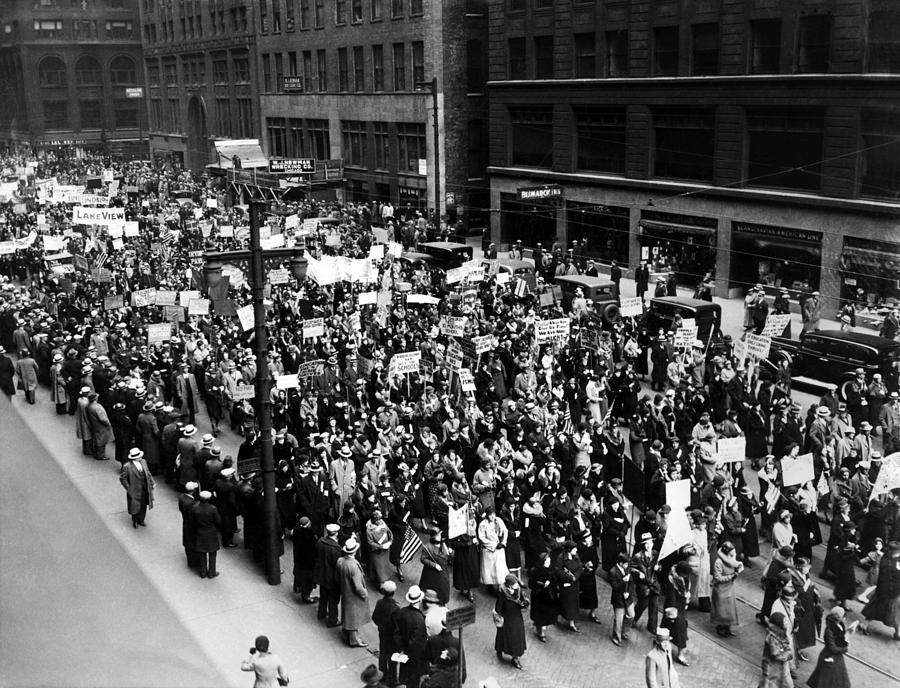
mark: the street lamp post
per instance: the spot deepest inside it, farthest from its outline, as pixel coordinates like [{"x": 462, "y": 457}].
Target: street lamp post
[
  {"x": 432, "y": 86},
  {"x": 255, "y": 259}
]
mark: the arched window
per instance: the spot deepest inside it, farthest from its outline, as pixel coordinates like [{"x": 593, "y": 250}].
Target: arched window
[
  {"x": 52, "y": 72},
  {"x": 122, "y": 72},
  {"x": 87, "y": 72}
]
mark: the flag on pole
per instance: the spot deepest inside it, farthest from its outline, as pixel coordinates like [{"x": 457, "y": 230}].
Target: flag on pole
[
  {"x": 567, "y": 426},
  {"x": 101, "y": 258},
  {"x": 166, "y": 236},
  {"x": 411, "y": 545}
]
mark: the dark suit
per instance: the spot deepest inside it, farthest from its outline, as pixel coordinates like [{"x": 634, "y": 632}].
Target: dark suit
[
  {"x": 186, "y": 504},
  {"x": 383, "y": 617},
  {"x": 328, "y": 551},
  {"x": 411, "y": 638},
  {"x": 138, "y": 484},
  {"x": 206, "y": 536},
  {"x": 641, "y": 280}
]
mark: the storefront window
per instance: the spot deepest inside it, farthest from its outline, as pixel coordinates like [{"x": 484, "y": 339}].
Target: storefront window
[
  {"x": 777, "y": 257},
  {"x": 685, "y": 244},
  {"x": 869, "y": 271},
  {"x": 530, "y": 222},
  {"x": 601, "y": 231}
]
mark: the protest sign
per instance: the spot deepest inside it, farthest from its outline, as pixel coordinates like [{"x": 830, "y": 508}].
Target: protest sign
[
  {"x": 731, "y": 449},
  {"x": 279, "y": 276},
  {"x": 368, "y": 298},
  {"x": 455, "y": 275},
  {"x": 426, "y": 369},
  {"x": 678, "y": 494},
  {"x": 143, "y": 297},
  {"x": 395, "y": 249},
  {"x": 113, "y": 302},
  {"x": 173, "y": 313},
  {"x": 187, "y": 295},
  {"x": 425, "y": 299},
  {"x": 53, "y": 243},
  {"x": 132, "y": 229},
  {"x": 797, "y": 471},
  {"x": 476, "y": 274},
  {"x": 226, "y": 231},
  {"x": 310, "y": 368},
  {"x": 245, "y": 316},
  {"x": 678, "y": 533},
  {"x": 242, "y": 392},
  {"x": 888, "y": 476},
  {"x": 159, "y": 332},
  {"x": 483, "y": 343},
  {"x": 757, "y": 346},
  {"x": 466, "y": 381},
  {"x": 198, "y": 306},
  {"x": 405, "y": 362},
  {"x": 457, "y": 521},
  {"x": 106, "y": 217},
  {"x": 556, "y": 330},
  {"x": 775, "y": 324},
  {"x": 376, "y": 252},
  {"x": 310, "y": 225},
  {"x": 165, "y": 297},
  {"x": 503, "y": 278},
  {"x": 355, "y": 322},
  {"x": 364, "y": 366},
  {"x": 314, "y": 327},
  {"x": 453, "y": 326},
  {"x": 686, "y": 336},
  {"x": 287, "y": 381},
  {"x": 632, "y": 307},
  {"x": 454, "y": 355}
]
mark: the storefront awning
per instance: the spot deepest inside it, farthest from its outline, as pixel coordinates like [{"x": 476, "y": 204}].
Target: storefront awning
[
  {"x": 675, "y": 228},
  {"x": 248, "y": 150}
]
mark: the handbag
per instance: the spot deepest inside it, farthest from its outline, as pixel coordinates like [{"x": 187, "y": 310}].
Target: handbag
[{"x": 498, "y": 619}]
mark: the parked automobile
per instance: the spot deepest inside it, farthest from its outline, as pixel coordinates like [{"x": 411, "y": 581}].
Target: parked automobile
[
  {"x": 518, "y": 269},
  {"x": 833, "y": 356},
  {"x": 662, "y": 312},
  {"x": 597, "y": 290},
  {"x": 447, "y": 254}
]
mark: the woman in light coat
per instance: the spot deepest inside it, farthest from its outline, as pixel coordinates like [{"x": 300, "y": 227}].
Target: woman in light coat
[
  {"x": 724, "y": 612},
  {"x": 701, "y": 578},
  {"x": 267, "y": 666},
  {"x": 58, "y": 386},
  {"x": 492, "y": 536}
]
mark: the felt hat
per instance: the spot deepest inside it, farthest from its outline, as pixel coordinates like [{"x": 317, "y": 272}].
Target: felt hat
[
  {"x": 371, "y": 675},
  {"x": 431, "y": 597},
  {"x": 148, "y": 406},
  {"x": 135, "y": 454},
  {"x": 350, "y": 546},
  {"x": 414, "y": 594}
]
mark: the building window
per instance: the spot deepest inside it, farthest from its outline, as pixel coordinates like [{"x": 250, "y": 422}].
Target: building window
[
  {"x": 883, "y": 47},
  {"x": 56, "y": 114},
  {"x": 880, "y": 157},
  {"x": 318, "y": 139},
  {"x": 320, "y": 14},
  {"x": 304, "y": 14},
  {"x": 418, "y": 61},
  {"x": 279, "y": 73},
  {"x": 356, "y": 11},
  {"x": 119, "y": 29},
  {"x": 543, "y": 57},
  {"x": 156, "y": 114},
  {"x": 785, "y": 148},
  {"x": 123, "y": 72},
  {"x": 399, "y": 67},
  {"x": 531, "y": 136},
  {"x": 704, "y": 49},
  {"x": 223, "y": 116},
  {"x": 813, "y": 43},
  {"x": 684, "y": 143},
  {"x": 85, "y": 29},
  {"x": 290, "y": 11},
  {"x": 617, "y": 53},
  {"x": 48, "y": 28},
  {"x": 307, "y": 70},
  {"x": 241, "y": 70},
  {"x": 91, "y": 114},
  {"x": 382, "y": 143},
  {"x": 376, "y": 10},
  {"x": 295, "y": 138},
  {"x": 343, "y": 70},
  {"x": 765, "y": 46},
  {"x": 245, "y": 118},
  {"x": 152, "y": 74},
  {"x": 174, "y": 114},
  {"x": 276, "y": 16},
  {"x": 267, "y": 73},
  {"x": 353, "y": 143},
  {"x": 585, "y": 56},
  {"x": 410, "y": 146},
  {"x": 396, "y": 9},
  {"x": 516, "y": 5},
  {"x": 517, "y": 58},
  {"x": 322, "y": 70},
  {"x": 416, "y": 8},
  {"x": 88, "y": 72},
  {"x": 665, "y": 51},
  {"x": 292, "y": 63},
  {"x": 359, "y": 69},
  {"x": 340, "y": 12},
  {"x": 475, "y": 66},
  {"x": 125, "y": 113},
  {"x": 277, "y": 130},
  {"x": 476, "y": 147},
  {"x": 543, "y": 4},
  {"x": 263, "y": 16},
  {"x": 170, "y": 72},
  {"x": 220, "y": 72},
  {"x": 378, "y": 67},
  {"x": 52, "y": 73},
  {"x": 601, "y": 141}
]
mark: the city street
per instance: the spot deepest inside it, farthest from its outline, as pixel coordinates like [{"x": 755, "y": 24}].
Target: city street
[{"x": 166, "y": 611}]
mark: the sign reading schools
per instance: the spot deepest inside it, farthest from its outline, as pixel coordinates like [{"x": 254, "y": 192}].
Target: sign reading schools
[{"x": 406, "y": 362}]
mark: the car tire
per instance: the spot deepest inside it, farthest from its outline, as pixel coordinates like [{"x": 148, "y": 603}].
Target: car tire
[
  {"x": 780, "y": 356},
  {"x": 611, "y": 314},
  {"x": 842, "y": 388}
]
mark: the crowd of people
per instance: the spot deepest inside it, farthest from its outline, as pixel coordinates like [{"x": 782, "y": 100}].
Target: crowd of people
[{"x": 531, "y": 450}]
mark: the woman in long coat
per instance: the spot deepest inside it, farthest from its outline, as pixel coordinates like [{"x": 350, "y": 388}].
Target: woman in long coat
[
  {"x": 587, "y": 582},
  {"x": 492, "y": 536},
  {"x": 568, "y": 579},
  {"x": 544, "y": 610},
  {"x": 700, "y": 583},
  {"x": 724, "y": 612},
  {"x": 146, "y": 432},
  {"x": 831, "y": 671},
  {"x": 510, "y": 637},
  {"x": 808, "y": 610},
  {"x": 777, "y": 655},
  {"x": 379, "y": 538},
  {"x": 885, "y": 603},
  {"x": 7, "y": 371}
]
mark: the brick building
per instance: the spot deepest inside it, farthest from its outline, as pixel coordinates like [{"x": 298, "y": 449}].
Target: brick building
[
  {"x": 352, "y": 69},
  {"x": 757, "y": 139},
  {"x": 200, "y": 62},
  {"x": 64, "y": 70}
]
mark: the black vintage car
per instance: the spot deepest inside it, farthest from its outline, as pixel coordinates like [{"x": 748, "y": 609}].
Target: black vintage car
[
  {"x": 708, "y": 316},
  {"x": 832, "y": 356}
]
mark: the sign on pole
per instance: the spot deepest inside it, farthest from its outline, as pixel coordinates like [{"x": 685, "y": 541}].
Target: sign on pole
[
  {"x": 631, "y": 307},
  {"x": 797, "y": 471},
  {"x": 758, "y": 346},
  {"x": 406, "y": 362},
  {"x": 314, "y": 327},
  {"x": 466, "y": 381},
  {"x": 158, "y": 333},
  {"x": 731, "y": 449},
  {"x": 457, "y": 521},
  {"x": 556, "y": 330},
  {"x": 457, "y": 618},
  {"x": 775, "y": 324}
]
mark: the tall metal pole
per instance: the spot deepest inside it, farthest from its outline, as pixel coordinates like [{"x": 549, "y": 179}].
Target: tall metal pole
[
  {"x": 263, "y": 404},
  {"x": 437, "y": 158}
]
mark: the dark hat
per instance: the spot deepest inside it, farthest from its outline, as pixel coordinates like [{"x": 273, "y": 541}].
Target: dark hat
[{"x": 371, "y": 675}]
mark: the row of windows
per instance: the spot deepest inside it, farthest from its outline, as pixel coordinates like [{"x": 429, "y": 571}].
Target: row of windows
[
  {"x": 407, "y": 69},
  {"x": 784, "y": 148},
  {"x": 194, "y": 70},
  {"x": 606, "y": 54},
  {"x": 222, "y": 21},
  {"x": 91, "y": 116},
  {"x": 53, "y": 73},
  {"x": 233, "y": 117},
  {"x": 278, "y": 15},
  {"x": 83, "y": 29}
]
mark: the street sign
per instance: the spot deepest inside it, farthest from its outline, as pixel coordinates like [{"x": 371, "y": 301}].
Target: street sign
[
  {"x": 136, "y": 92},
  {"x": 292, "y": 83},
  {"x": 292, "y": 166},
  {"x": 462, "y": 616}
]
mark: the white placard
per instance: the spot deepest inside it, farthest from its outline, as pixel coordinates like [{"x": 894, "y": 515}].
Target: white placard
[
  {"x": 279, "y": 276},
  {"x": 731, "y": 449},
  {"x": 556, "y": 330},
  {"x": 310, "y": 226},
  {"x": 757, "y": 346},
  {"x": 166, "y": 298},
  {"x": 423, "y": 298},
  {"x": 98, "y": 216},
  {"x": 198, "y": 306},
  {"x": 314, "y": 327},
  {"x": 368, "y": 298},
  {"x": 118, "y": 244},
  {"x": 632, "y": 307},
  {"x": 678, "y": 533},
  {"x": 453, "y": 326},
  {"x": 242, "y": 392},
  {"x": 53, "y": 243},
  {"x": 888, "y": 476},
  {"x": 245, "y": 316},
  {"x": 395, "y": 249},
  {"x": 797, "y": 471},
  {"x": 483, "y": 344},
  {"x": 287, "y": 381},
  {"x": 678, "y": 494},
  {"x": 212, "y": 203},
  {"x": 226, "y": 231},
  {"x": 685, "y": 337},
  {"x": 775, "y": 324},
  {"x": 457, "y": 521},
  {"x": 376, "y": 252},
  {"x": 159, "y": 332},
  {"x": 466, "y": 381},
  {"x": 454, "y": 355},
  {"x": 187, "y": 295},
  {"x": 503, "y": 278},
  {"x": 132, "y": 228},
  {"x": 455, "y": 275},
  {"x": 405, "y": 362},
  {"x": 476, "y": 274},
  {"x": 143, "y": 297}
]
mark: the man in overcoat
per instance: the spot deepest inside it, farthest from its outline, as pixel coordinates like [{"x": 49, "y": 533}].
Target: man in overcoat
[
  {"x": 354, "y": 594},
  {"x": 207, "y": 523},
  {"x": 101, "y": 427},
  {"x": 328, "y": 551},
  {"x": 138, "y": 483}
]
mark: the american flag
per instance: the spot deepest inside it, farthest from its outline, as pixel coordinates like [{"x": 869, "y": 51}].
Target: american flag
[
  {"x": 567, "y": 426},
  {"x": 166, "y": 236},
  {"x": 411, "y": 545},
  {"x": 101, "y": 257}
]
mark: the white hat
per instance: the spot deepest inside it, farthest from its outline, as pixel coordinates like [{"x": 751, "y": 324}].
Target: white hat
[
  {"x": 663, "y": 634},
  {"x": 135, "y": 454},
  {"x": 191, "y": 486},
  {"x": 206, "y": 495},
  {"x": 332, "y": 528},
  {"x": 207, "y": 438},
  {"x": 414, "y": 594},
  {"x": 188, "y": 430},
  {"x": 227, "y": 472}
]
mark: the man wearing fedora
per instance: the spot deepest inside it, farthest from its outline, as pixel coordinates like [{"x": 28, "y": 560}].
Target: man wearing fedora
[
  {"x": 138, "y": 483},
  {"x": 411, "y": 637},
  {"x": 185, "y": 456},
  {"x": 659, "y": 669},
  {"x": 371, "y": 677},
  {"x": 101, "y": 428},
  {"x": 207, "y": 524},
  {"x": 328, "y": 552},
  {"x": 342, "y": 473},
  {"x": 186, "y": 393},
  {"x": 354, "y": 594}
]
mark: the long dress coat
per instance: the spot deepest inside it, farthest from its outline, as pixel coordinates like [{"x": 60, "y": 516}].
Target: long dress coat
[
  {"x": 101, "y": 428},
  {"x": 544, "y": 610},
  {"x": 207, "y": 524},
  {"x": 431, "y": 578},
  {"x": 724, "y": 605},
  {"x": 776, "y": 661},
  {"x": 27, "y": 370},
  {"x": 885, "y": 603},
  {"x": 147, "y": 435},
  {"x": 700, "y": 585},
  {"x": 57, "y": 384},
  {"x": 807, "y": 610},
  {"x": 831, "y": 671},
  {"x": 510, "y": 637},
  {"x": 492, "y": 536},
  {"x": 355, "y": 611},
  {"x": 138, "y": 486},
  {"x": 7, "y": 372},
  {"x": 379, "y": 538}
]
